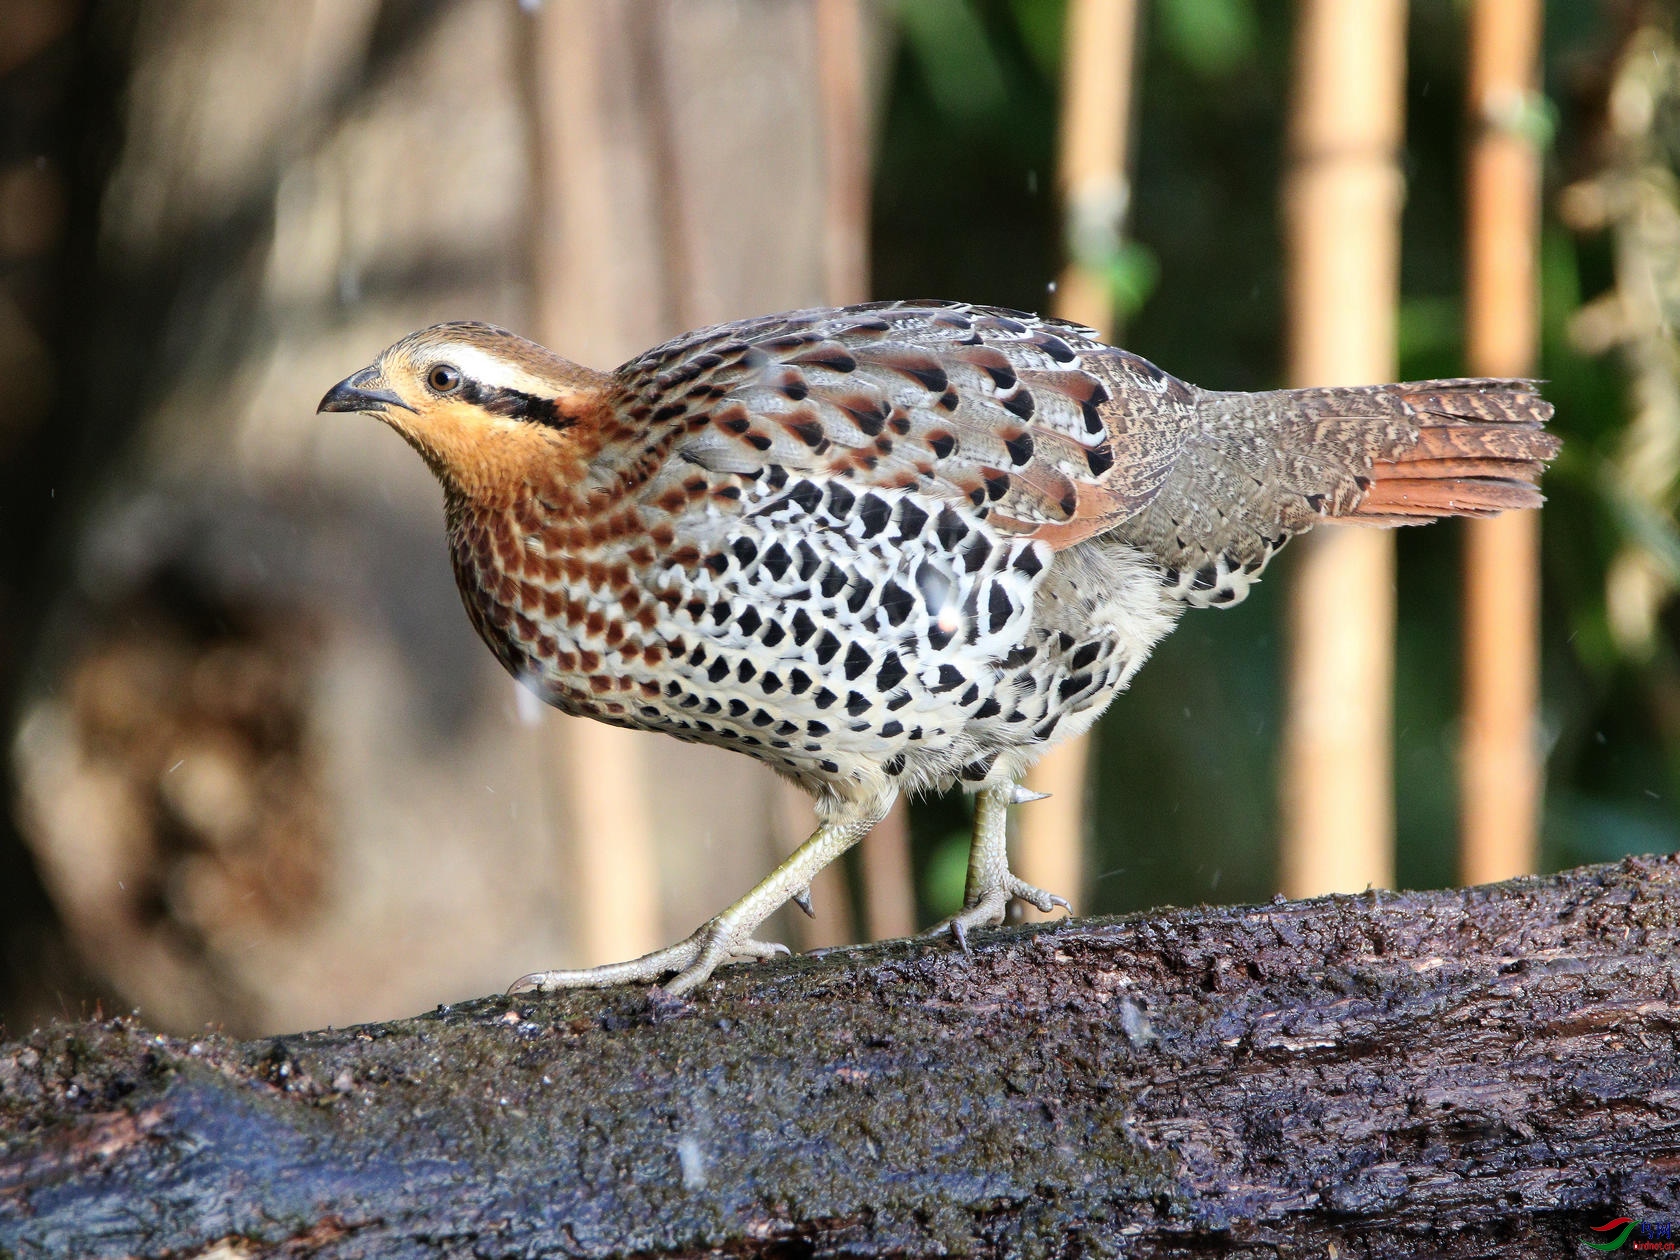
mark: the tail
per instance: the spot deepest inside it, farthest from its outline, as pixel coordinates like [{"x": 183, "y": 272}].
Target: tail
[
  {"x": 1257, "y": 469},
  {"x": 1480, "y": 449}
]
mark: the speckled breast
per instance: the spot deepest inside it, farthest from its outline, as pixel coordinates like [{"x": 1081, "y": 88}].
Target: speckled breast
[{"x": 838, "y": 633}]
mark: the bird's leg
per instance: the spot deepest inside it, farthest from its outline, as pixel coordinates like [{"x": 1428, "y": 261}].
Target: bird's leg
[
  {"x": 991, "y": 884},
  {"x": 729, "y": 937}
]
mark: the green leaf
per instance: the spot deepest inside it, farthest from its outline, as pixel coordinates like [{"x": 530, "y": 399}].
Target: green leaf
[
  {"x": 1132, "y": 274},
  {"x": 1212, "y": 37},
  {"x": 947, "y": 874},
  {"x": 955, "y": 55}
]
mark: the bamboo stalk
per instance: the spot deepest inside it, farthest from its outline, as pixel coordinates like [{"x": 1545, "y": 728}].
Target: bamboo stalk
[
  {"x": 1094, "y": 183},
  {"x": 1500, "y": 757},
  {"x": 614, "y": 874},
  {"x": 1093, "y": 157},
  {"x": 884, "y": 852},
  {"x": 840, "y": 85},
  {"x": 1342, "y": 204}
]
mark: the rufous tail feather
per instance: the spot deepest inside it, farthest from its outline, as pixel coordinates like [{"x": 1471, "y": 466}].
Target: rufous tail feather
[{"x": 1480, "y": 449}]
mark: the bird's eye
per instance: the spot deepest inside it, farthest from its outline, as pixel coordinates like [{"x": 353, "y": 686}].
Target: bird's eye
[{"x": 444, "y": 378}]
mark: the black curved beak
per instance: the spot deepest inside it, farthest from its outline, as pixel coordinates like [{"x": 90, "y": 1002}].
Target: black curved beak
[{"x": 365, "y": 391}]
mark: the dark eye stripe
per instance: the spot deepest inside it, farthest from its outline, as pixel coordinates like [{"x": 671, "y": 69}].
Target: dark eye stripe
[{"x": 517, "y": 405}]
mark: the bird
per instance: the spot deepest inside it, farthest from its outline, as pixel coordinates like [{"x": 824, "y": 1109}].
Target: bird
[{"x": 891, "y": 547}]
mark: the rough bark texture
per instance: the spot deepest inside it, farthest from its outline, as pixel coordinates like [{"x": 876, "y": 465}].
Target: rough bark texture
[{"x": 1487, "y": 1072}]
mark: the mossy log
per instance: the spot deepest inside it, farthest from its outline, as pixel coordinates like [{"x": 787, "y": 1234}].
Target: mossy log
[{"x": 1482, "y": 1072}]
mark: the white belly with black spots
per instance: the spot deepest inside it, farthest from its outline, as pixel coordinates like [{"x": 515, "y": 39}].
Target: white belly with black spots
[{"x": 843, "y": 635}]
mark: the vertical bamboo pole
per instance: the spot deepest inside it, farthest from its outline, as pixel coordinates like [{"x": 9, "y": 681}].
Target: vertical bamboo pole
[
  {"x": 613, "y": 875},
  {"x": 1500, "y": 761},
  {"x": 837, "y": 29},
  {"x": 889, "y": 903},
  {"x": 840, "y": 85},
  {"x": 1342, "y": 205},
  {"x": 1093, "y": 177},
  {"x": 1095, "y": 190}
]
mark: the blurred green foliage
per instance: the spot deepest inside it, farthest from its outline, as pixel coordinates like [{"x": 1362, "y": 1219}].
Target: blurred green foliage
[
  {"x": 1211, "y": 37},
  {"x": 1184, "y": 791}
]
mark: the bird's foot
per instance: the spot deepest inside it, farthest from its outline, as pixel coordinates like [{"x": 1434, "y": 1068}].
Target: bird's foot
[
  {"x": 688, "y": 963},
  {"x": 728, "y": 937},
  {"x": 990, "y": 906}
]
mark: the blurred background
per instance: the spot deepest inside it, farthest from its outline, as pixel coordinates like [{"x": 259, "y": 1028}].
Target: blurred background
[{"x": 259, "y": 773}]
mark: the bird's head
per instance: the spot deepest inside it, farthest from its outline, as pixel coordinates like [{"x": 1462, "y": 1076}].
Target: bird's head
[{"x": 493, "y": 415}]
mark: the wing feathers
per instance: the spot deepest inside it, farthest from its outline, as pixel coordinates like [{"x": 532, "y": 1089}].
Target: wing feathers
[{"x": 1039, "y": 427}]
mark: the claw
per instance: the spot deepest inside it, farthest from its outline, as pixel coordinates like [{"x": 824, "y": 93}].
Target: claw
[
  {"x": 1022, "y": 795},
  {"x": 750, "y": 950},
  {"x": 675, "y": 971},
  {"x": 961, "y": 934},
  {"x": 683, "y": 967},
  {"x": 716, "y": 951},
  {"x": 1044, "y": 902}
]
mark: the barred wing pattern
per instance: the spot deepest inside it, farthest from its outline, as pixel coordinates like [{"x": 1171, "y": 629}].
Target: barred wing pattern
[{"x": 1039, "y": 428}]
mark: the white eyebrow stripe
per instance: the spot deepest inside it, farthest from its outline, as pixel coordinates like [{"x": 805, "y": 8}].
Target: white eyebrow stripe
[{"x": 487, "y": 370}]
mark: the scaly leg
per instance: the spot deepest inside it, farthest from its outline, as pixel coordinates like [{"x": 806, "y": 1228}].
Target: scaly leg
[
  {"x": 991, "y": 884},
  {"x": 729, "y": 937}
]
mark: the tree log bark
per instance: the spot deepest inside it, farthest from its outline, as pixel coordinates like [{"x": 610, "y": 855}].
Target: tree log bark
[{"x": 1467, "y": 1073}]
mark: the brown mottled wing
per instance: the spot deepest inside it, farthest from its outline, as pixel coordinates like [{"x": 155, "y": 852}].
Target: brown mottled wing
[
  {"x": 1009, "y": 412},
  {"x": 1040, "y": 427}
]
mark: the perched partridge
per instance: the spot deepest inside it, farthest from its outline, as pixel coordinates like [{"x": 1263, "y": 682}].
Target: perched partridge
[{"x": 890, "y": 547}]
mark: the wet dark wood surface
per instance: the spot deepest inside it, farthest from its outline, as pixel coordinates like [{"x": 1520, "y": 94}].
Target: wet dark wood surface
[{"x": 1479, "y": 1073}]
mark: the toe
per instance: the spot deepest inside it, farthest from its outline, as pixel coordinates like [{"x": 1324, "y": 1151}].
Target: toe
[
  {"x": 721, "y": 948},
  {"x": 750, "y": 950},
  {"x": 1037, "y": 897},
  {"x": 644, "y": 970}
]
